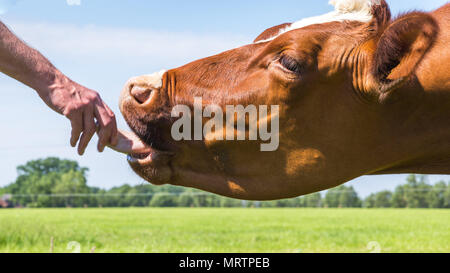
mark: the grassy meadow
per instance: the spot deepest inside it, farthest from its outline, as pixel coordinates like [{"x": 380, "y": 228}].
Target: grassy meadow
[{"x": 224, "y": 230}]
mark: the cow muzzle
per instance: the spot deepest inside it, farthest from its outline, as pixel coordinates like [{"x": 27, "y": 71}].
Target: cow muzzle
[{"x": 143, "y": 92}]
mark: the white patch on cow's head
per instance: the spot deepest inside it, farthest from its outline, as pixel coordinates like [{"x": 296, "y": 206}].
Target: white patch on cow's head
[
  {"x": 345, "y": 10},
  {"x": 154, "y": 80}
]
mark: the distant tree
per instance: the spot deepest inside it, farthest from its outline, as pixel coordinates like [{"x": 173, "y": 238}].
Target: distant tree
[
  {"x": 186, "y": 200},
  {"x": 268, "y": 204},
  {"x": 312, "y": 200},
  {"x": 251, "y": 204},
  {"x": 332, "y": 197},
  {"x": 43, "y": 177},
  {"x": 48, "y": 165},
  {"x": 170, "y": 188},
  {"x": 230, "y": 202},
  {"x": 283, "y": 203},
  {"x": 447, "y": 197},
  {"x": 436, "y": 196},
  {"x": 342, "y": 196},
  {"x": 349, "y": 198},
  {"x": 97, "y": 198},
  {"x": 298, "y": 202},
  {"x": 414, "y": 194},
  {"x": 369, "y": 201},
  {"x": 117, "y": 196},
  {"x": 399, "y": 197},
  {"x": 416, "y": 191},
  {"x": 383, "y": 199},
  {"x": 206, "y": 200},
  {"x": 140, "y": 195},
  {"x": 162, "y": 199},
  {"x": 70, "y": 183}
]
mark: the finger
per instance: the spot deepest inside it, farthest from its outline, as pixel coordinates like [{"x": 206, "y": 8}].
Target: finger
[
  {"x": 104, "y": 130},
  {"x": 77, "y": 127},
  {"x": 108, "y": 129},
  {"x": 129, "y": 143},
  {"x": 88, "y": 130},
  {"x": 114, "y": 139}
]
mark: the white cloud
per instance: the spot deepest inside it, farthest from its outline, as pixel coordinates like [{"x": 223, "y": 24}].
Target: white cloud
[
  {"x": 73, "y": 2},
  {"x": 137, "y": 45}
]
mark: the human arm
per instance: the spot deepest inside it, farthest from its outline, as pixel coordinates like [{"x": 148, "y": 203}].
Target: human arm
[{"x": 82, "y": 106}]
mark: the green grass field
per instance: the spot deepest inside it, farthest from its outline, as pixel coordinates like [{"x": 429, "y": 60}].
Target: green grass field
[{"x": 225, "y": 230}]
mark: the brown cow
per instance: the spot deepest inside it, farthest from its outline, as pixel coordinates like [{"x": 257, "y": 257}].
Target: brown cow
[{"x": 358, "y": 93}]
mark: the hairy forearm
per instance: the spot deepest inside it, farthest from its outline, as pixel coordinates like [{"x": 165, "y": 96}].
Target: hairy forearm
[
  {"x": 26, "y": 64},
  {"x": 82, "y": 106}
]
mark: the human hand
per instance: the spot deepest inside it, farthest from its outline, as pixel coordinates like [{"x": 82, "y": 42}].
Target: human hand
[{"x": 83, "y": 107}]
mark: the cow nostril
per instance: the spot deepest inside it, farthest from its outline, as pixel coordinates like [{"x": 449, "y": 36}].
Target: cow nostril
[{"x": 141, "y": 94}]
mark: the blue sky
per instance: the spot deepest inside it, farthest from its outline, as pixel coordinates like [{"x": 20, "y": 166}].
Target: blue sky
[{"x": 102, "y": 43}]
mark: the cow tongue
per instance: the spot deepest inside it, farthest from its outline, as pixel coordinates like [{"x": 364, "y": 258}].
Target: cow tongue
[{"x": 129, "y": 143}]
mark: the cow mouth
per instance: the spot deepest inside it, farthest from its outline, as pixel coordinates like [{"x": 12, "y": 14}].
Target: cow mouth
[
  {"x": 146, "y": 158},
  {"x": 137, "y": 151},
  {"x": 141, "y": 158}
]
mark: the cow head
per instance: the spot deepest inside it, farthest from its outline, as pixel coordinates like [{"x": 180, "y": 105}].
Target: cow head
[{"x": 334, "y": 77}]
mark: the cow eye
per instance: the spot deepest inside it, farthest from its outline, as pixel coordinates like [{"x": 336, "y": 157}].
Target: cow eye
[{"x": 290, "y": 64}]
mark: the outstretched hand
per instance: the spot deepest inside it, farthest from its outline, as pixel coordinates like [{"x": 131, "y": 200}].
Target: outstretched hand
[{"x": 87, "y": 113}]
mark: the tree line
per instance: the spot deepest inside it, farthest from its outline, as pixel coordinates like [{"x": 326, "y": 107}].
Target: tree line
[{"x": 54, "y": 182}]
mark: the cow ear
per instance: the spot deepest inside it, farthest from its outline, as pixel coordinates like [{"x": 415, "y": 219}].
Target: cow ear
[{"x": 400, "y": 48}]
